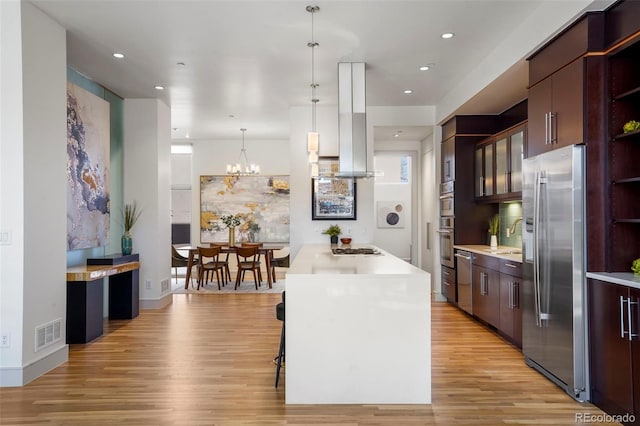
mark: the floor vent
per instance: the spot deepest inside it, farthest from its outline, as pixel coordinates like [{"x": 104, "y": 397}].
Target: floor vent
[
  {"x": 165, "y": 285},
  {"x": 48, "y": 334}
]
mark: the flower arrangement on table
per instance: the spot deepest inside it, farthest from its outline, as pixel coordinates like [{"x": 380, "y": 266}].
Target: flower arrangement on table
[{"x": 231, "y": 221}]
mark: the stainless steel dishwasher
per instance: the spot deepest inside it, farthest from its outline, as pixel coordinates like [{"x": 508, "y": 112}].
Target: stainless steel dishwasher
[{"x": 463, "y": 271}]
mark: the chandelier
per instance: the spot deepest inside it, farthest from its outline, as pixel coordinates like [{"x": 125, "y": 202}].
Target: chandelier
[
  {"x": 243, "y": 167},
  {"x": 313, "y": 136}
]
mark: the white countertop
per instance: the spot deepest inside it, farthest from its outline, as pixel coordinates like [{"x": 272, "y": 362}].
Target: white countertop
[
  {"x": 314, "y": 259},
  {"x": 623, "y": 278},
  {"x": 358, "y": 329},
  {"x": 499, "y": 252}
]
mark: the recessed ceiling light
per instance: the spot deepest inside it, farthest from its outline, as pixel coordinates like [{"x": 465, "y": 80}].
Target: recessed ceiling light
[
  {"x": 180, "y": 64},
  {"x": 425, "y": 67},
  {"x": 159, "y": 87},
  {"x": 447, "y": 35},
  {"x": 175, "y": 128},
  {"x": 396, "y": 135},
  {"x": 408, "y": 91},
  {"x": 118, "y": 55},
  {"x": 231, "y": 115},
  {"x": 187, "y": 136}
]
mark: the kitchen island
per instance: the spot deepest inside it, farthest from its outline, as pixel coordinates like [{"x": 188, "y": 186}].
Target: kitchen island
[{"x": 358, "y": 329}]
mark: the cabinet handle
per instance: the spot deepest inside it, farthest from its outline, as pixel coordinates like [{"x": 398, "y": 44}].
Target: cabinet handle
[
  {"x": 445, "y": 273},
  {"x": 510, "y": 265},
  {"x": 622, "y": 330},
  {"x": 629, "y": 331},
  {"x": 516, "y": 294},
  {"x": 510, "y": 295},
  {"x": 483, "y": 284},
  {"x": 546, "y": 128},
  {"x": 506, "y": 186},
  {"x": 552, "y": 117}
]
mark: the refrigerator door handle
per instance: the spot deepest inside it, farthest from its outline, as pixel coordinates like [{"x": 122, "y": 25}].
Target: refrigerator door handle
[{"x": 536, "y": 260}]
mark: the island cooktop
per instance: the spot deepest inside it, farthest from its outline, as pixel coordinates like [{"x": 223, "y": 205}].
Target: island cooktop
[{"x": 354, "y": 251}]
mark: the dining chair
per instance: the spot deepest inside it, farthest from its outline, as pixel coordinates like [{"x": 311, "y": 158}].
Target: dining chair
[
  {"x": 280, "y": 262},
  {"x": 225, "y": 260},
  {"x": 248, "y": 261},
  {"x": 208, "y": 262},
  {"x": 178, "y": 260},
  {"x": 259, "y": 245}
]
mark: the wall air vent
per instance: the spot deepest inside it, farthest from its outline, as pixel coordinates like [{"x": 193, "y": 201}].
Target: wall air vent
[{"x": 47, "y": 334}]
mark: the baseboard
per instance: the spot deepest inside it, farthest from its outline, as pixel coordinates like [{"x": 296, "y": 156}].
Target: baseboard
[
  {"x": 165, "y": 300},
  {"x": 20, "y": 376},
  {"x": 439, "y": 297}
]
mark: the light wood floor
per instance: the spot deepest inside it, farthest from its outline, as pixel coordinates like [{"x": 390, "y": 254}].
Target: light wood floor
[{"x": 206, "y": 360}]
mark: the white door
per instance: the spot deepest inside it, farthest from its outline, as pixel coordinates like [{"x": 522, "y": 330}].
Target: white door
[
  {"x": 429, "y": 209},
  {"x": 393, "y": 204}
]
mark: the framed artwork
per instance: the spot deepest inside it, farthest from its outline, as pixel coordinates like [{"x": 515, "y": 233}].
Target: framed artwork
[
  {"x": 333, "y": 198},
  {"x": 88, "y": 140},
  {"x": 261, "y": 201},
  {"x": 328, "y": 166}
]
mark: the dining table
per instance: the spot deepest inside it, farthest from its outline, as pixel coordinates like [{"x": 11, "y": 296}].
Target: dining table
[{"x": 266, "y": 249}]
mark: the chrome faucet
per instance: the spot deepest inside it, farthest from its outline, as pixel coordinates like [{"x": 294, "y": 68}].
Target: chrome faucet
[{"x": 512, "y": 229}]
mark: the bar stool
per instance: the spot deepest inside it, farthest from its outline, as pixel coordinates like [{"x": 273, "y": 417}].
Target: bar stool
[{"x": 280, "y": 358}]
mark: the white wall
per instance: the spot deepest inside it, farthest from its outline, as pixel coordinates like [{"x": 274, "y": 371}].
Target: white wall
[
  {"x": 147, "y": 180},
  {"x": 210, "y": 157},
  {"x": 33, "y": 189}
]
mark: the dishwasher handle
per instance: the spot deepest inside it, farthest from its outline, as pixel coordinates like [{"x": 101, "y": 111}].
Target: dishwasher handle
[{"x": 462, "y": 256}]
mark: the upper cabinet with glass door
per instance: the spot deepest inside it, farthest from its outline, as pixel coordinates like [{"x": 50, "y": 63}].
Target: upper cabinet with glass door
[{"x": 500, "y": 179}]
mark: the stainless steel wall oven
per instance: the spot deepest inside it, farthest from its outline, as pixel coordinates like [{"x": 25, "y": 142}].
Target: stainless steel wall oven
[{"x": 446, "y": 242}]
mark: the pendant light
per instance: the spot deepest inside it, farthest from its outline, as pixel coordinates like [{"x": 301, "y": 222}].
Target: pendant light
[
  {"x": 243, "y": 167},
  {"x": 313, "y": 138}
]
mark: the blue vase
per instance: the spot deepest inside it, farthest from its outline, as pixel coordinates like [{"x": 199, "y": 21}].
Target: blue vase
[{"x": 127, "y": 244}]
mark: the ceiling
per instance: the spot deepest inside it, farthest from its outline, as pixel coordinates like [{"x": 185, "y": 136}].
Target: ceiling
[{"x": 247, "y": 62}]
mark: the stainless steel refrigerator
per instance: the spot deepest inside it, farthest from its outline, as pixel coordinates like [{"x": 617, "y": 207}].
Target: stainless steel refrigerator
[{"x": 554, "y": 322}]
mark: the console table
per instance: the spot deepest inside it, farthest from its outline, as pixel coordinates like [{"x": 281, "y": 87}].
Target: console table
[{"x": 85, "y": 294}]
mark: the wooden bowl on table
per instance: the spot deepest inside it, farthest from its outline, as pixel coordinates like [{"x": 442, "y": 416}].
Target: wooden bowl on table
[{"x": 345, "y": 241}]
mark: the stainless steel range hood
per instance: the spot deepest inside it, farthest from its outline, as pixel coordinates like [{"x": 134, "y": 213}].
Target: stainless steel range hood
[{"x": 352, "y": 120}]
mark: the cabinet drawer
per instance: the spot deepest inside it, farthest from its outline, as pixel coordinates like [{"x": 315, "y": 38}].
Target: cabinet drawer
[
  {"x": 511, "y": 268},
  {"x": 448, "y": 275},
  {"x": 486, "y": 261}
]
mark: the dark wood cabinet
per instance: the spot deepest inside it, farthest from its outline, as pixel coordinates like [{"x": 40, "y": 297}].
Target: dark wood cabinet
[
  {"x": 486, "y": 289},
  {"x": 448, "y": 161},
  {"x": 449, "y": 284},
  {"x": 510, "y": 311},
  {"x": 556, "y": 110},
  {"x": 614, "y": 356}
]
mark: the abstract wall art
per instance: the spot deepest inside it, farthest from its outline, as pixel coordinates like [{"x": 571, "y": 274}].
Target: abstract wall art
[
  {"x": 88, "y": 139},
  {"x": 262, "y": 202}
]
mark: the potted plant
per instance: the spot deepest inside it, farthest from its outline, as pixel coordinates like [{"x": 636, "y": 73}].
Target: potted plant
[
  {"x": 333, "y": 231},
  {"x": 130, "y": 216},
  {"x": 494, "y": 227}
]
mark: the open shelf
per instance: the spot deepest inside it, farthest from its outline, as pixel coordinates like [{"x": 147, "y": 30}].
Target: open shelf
[
  {"x": 623, "y": 158},
  {"x": 628, "y": 136},
  {"x": 633, "y": 92},
  {"x": 628, "y": 180}
]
